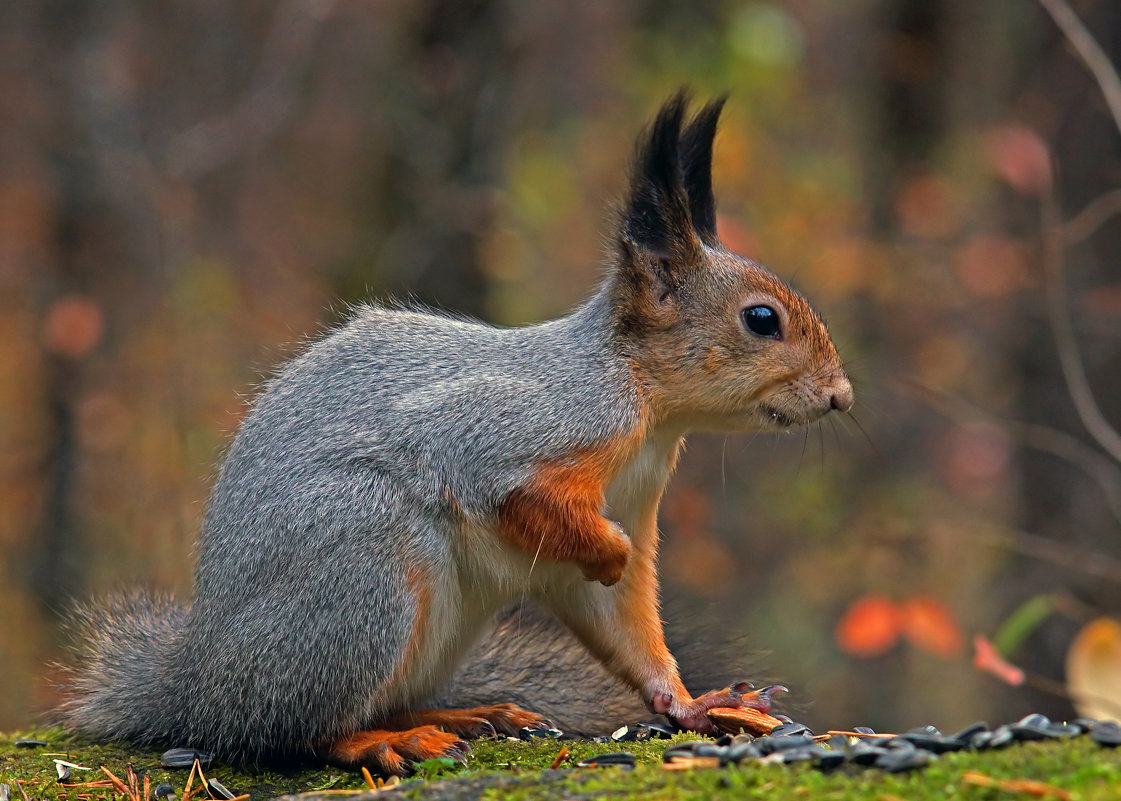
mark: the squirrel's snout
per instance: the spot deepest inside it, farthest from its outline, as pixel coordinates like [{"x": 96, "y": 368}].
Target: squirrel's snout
[{"x": 841, "y": 397}]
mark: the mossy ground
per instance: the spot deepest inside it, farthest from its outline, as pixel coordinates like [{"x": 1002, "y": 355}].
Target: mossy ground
[{"x": 1077, "y": 769}]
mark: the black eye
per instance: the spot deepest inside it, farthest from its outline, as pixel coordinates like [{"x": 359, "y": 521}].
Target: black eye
[{"x": 762, "y": 321}]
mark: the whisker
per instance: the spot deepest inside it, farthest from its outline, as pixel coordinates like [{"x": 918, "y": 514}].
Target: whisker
[
  {"x": 839, "y": 420},
  {"x": 533, "y": 564},
  {"x": 833, "y": 426},
  {"x": 852, "y": 416},
  {"x": 723, "y": 466}
]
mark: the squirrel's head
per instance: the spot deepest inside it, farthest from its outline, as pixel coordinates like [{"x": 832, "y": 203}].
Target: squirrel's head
[{"x": 719, "y": 341}]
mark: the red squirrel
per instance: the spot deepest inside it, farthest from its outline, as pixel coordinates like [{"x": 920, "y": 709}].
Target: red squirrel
[{"x": 411, "y": 474}]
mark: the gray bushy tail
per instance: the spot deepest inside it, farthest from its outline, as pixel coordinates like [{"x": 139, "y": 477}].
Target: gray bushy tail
[{"x": 126, "y": 682}]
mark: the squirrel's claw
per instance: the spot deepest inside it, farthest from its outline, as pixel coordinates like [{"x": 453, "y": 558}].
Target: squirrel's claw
[
  {"x": 761, "y": 699},
  {"x": 470, "y": 724},
  {"x": 459, "y": 752}
]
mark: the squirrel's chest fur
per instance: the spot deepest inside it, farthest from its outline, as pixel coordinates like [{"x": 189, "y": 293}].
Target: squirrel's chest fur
[{"x": 631, "y": 494}]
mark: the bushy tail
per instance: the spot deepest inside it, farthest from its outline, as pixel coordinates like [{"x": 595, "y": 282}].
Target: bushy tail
[
  {"x": 124, "y": 683},
  {"x": 530, "y": 659}
]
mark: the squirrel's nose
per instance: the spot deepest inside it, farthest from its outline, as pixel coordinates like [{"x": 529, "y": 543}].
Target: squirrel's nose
[{"x": 841, "y": 398}]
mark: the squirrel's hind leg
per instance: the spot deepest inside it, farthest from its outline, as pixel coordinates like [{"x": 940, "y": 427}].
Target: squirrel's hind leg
[
  {"x": 479, "y": 721},
  {"x": 394, "y": 753}
]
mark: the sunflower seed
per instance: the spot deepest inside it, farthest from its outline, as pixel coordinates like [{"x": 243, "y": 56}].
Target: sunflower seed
[
  {"x": 965, "y": 736},
  {"x": 897, "y": 760},
  {"x": 1106, "y": 733},
  {"x": 830, "y": 759},
  {"x": 221, "y": 789},
  {"x": 618, "y": 759},
  {"x": 534, "y": 732},
  {"x": 658, "y": 731},
  {"x": 183, "y": 758},
  {"x": 791, "y": 730},
  {"x": 863, "y": 753},
  {"x": 738, "y": 752}
]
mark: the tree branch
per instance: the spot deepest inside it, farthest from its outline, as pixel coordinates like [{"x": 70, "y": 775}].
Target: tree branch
[
  {"x": 1084, "y": 224},
  {"x": 1090, "y": 52},
  {"x": 1101, "y": 469},
  {"x": 1076, "y": 558},
  {"x": 1074, "y": 371},
  {"x": 285, "y": 54}
]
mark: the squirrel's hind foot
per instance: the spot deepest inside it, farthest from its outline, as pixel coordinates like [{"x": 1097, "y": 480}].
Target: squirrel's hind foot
[
  {"x": 475, "y": 722},
  {"x": 394, "y": 753}
]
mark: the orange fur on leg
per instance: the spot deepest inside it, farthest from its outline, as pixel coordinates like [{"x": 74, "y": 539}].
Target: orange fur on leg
[
  {"x": 394, "y": 752},
  {"x": 479, "y": 721}
]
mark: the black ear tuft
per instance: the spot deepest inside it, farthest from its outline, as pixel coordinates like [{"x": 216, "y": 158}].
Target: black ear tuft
[
  {"x": 696, "y": 164},
  {"x": 657, "y": 212}
]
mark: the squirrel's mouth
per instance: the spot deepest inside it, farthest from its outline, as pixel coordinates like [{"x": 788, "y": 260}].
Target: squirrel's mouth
[{"x": 776, "y": 417}]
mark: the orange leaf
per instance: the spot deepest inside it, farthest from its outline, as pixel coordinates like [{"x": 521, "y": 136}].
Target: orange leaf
[
  {"x": 869, "y": 627},
  {"x": 1021, "y": 158},
  {"x": 931, "y": 627},
  {"x": 73, "y": 326},
  {"x": 986, "y": 658}
]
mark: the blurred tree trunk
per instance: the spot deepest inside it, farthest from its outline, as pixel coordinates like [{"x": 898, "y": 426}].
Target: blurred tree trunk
[
  {"x": 65, "y": 32},
  {"x": 450, "y": 117}
]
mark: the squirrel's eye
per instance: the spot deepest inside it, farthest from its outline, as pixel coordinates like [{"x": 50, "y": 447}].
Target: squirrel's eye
[{"x": 762, "y": 321}]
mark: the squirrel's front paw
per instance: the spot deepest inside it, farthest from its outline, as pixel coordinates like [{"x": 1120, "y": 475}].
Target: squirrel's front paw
[
  {"x": 689, "y": 713},
  {"x": 692, "y": 714},
  {"x": 613, "y": 555}
]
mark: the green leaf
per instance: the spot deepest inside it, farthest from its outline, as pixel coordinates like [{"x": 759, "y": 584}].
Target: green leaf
[{"x": 1019, "y": 625}]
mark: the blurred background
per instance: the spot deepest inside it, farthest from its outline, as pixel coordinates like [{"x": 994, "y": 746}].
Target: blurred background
[{"x": 189, "y": 190}]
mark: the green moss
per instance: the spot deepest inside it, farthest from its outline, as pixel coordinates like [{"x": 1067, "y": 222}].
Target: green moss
[
  {"x": 520, "y": 772},
  {"x": 35, "y": 767}
]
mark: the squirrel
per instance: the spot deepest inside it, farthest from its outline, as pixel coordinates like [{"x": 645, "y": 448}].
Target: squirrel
[{"x": 412, "y": 474}]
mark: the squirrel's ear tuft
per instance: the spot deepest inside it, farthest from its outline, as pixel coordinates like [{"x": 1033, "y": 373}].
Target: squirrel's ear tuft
[
  {"x": 696, "y": 164},
  {"x": 656, "y": 217}
]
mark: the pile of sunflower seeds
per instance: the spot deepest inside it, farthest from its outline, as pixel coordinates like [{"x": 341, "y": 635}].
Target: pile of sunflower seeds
[{"x": 894, "y": 753}]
